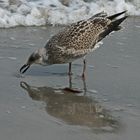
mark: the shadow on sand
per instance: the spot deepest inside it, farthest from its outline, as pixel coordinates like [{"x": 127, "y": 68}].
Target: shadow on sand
[{"x": 74, "y": 107}]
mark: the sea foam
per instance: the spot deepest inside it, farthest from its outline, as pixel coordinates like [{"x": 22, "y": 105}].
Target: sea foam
[{"x": 41, "y": 12}]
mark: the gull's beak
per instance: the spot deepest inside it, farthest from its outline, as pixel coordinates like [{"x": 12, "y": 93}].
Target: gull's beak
[{"x": 24, "y": 68}]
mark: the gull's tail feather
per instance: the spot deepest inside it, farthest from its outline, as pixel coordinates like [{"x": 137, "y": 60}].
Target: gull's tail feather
[
  {"x": 112, "y": 17},
  {"x": 114, "y": 26}
]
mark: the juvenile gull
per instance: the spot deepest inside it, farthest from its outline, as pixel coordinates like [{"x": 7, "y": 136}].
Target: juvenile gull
[{"x": 75, "y": 41}]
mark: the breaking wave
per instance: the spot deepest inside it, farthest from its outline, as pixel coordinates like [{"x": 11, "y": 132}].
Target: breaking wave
[{"x": 40, "y": 12}]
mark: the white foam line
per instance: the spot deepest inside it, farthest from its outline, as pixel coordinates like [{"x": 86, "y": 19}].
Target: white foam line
[{"x": 40, "y": 12}]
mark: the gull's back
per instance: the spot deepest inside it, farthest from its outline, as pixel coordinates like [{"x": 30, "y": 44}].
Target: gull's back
[{"x": 79, "y": 38}]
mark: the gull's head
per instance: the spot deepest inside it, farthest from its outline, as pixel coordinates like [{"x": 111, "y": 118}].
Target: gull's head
[{"x": 37, "y": 57}]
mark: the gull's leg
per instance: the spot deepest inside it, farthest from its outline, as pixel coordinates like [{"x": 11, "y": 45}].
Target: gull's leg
[
  {"x": 70, "y": 81},
  {"x": 84, "y": 85},
  {"x": 84, "y": 68},
  {"x": 70, "y": 73}
]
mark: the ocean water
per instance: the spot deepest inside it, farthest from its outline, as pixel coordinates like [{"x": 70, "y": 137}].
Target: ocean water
[
  {"x": 39, "y": 106},
  {"x": 41, "y": 12}
]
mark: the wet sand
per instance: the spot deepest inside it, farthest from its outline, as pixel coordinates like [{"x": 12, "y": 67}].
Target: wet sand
[{"x": 40, "y": 105}]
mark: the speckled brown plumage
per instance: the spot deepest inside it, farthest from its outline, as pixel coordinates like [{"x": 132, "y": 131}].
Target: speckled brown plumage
[
  {"x": 75, "y": 41},
  {"x": 78, "y": 39}
]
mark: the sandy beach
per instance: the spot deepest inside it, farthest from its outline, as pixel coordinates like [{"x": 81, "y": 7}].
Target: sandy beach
[{"x": 38, "y": 105}]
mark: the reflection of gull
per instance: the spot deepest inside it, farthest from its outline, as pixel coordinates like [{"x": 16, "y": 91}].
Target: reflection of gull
[
  {"x": 74, "y": 109},
  {"x": 75, "y": 41}
]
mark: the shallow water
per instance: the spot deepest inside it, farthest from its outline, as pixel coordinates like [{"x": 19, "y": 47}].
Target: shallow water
[{"x": 39, "y": 104}]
